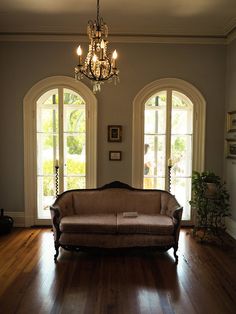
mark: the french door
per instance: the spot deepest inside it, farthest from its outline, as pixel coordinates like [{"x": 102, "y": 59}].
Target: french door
[
  {"x": 61, "y": 145},
  {"x": 168, "y": 145}
]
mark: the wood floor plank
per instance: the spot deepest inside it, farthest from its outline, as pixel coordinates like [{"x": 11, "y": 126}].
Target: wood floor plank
[{"x": 129, "y": 282}]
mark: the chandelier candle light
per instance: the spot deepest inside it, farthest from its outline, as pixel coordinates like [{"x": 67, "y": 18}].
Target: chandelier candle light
[{"x": 99, "y": 65}]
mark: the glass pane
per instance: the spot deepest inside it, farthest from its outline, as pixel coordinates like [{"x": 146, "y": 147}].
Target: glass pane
[
  {"x": 179, "y": 100},
  {"x": 157, "y": 100},
  {"x": 154, "y": 183},
  {"x": 47, "y": 112},
  {"x": 71, "y": 97},
  {"x": 182, "y": 114},
  {"x": 47, "y": 120},
  {"x": 76, "y": 182},
  {"x": 181, "y": 188},
  {"x": 155, "y": 114},
  {"x": 181, "y": 155},
  {"x": 75, "y": 154},
  {"x": 75, "y": 167},
  {"x": 49, "y": 98},
  {"x": 181, "y": 121},
  {"x": 74, "y": 120},
  {"x": 46, "y": 195},
  {"x": 52, "y": 98},
  {"x": 47, "y": 151},
  {"x": 154, "y": 155}
]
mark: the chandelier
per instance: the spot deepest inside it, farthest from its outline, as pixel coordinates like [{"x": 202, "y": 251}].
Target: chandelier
[{"x": 99, "y": 65}]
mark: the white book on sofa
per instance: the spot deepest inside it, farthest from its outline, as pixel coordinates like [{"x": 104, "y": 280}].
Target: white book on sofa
[{"x": 130, "y": 214}]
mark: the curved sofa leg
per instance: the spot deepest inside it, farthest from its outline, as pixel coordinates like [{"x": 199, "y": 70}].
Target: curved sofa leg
[
  {"x": 57, "y": 251},
  {"x": 175, "y": 254}
]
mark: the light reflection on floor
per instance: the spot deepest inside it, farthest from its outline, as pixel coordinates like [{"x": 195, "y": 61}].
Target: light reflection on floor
[
  {"x": 50, "y": 273},
  {"x": 47, "y": 268}
]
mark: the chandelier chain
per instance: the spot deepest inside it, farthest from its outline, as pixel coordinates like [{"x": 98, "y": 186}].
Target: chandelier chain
[{"x": 98, "y": 16}]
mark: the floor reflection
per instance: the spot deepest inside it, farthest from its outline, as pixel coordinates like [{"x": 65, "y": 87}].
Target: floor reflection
[{"x": 133, "y": 281}]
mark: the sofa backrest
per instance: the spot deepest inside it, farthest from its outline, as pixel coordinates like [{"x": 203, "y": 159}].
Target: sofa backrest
[{"x": 115, "y": 200}]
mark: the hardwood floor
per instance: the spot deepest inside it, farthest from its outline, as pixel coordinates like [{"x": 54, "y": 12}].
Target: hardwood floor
[{"x": 204, "y": 281}]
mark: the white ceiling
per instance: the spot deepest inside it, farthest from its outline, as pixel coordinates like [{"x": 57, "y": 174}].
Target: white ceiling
[{"x": 124, "y": 17}]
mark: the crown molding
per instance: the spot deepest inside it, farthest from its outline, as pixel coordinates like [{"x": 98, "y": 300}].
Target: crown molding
[
  {"x": 116, "y": 38},
  {"x": 168, "y": 39},
  {"x": 42, "y": 37}
]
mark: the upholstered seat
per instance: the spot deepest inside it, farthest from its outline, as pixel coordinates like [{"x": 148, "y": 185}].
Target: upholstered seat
[
  {"x": 117, "y": 223},
  {"x": 100, "y": 223},
  {"x": 145, "y": 224}
]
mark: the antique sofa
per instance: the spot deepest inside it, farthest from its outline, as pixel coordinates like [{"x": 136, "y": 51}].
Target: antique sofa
[{"x": 116, "y": 216}]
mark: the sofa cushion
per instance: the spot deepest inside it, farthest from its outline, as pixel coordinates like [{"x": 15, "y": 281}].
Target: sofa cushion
[
  {"x": 100, "y": 223},
  {"x": 145, "y": 224}
]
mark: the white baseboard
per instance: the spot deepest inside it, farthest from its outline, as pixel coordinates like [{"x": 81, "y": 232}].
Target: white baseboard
[
  {"x": 18, "y": 217},
  {"x": 230, "y": 227},
  {"x": 21, "y": 220}
]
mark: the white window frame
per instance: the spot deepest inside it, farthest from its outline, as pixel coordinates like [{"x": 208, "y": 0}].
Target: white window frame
[
  {"x": 199, "y": 121},
  {"x": 30, "y": 145}
]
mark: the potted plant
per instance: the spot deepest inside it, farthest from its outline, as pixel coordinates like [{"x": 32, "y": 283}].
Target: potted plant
[{"x": 210, "y": 201}]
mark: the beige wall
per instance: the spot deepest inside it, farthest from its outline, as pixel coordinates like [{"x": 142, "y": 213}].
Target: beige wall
[
  {"x": 24, "y": 64},
  {"x": 230, "y": 165}
]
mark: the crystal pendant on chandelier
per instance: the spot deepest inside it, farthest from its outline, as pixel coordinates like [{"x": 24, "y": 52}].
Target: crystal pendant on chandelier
[{"x": 99, "y": 66}]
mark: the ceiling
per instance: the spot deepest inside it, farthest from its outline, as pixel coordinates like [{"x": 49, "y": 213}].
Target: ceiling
[{"x": 124, "y": 17}]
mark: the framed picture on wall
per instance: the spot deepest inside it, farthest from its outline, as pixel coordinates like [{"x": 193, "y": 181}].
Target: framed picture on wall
[
  {"x": 231, "y": 148},
  {"x": 231, "y": 121},
  {"x": 114, "y": 155},
  {"x": 114, "y": 133}
]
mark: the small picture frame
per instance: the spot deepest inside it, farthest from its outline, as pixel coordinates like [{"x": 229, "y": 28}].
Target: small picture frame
[
  {"x": 114, "y": 133},
  {"x": 231, "y": 148},
  {"x": 231, "y": 121},
  {"x": 115, "y": 155}
]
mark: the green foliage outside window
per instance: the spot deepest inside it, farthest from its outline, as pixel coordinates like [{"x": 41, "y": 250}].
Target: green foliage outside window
[
  {"x": 76, "y": 124},
  {"x": 73, "y": 167}
]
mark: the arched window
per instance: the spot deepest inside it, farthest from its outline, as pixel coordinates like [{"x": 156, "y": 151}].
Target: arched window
[
  {"x": 168, "y": 130},
  {"x": 60, "y": 119}
]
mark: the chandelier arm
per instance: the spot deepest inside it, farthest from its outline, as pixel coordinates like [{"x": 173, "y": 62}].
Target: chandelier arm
[
  {"x": 93, "y": 76},
  {"x": 101, "y": 78},
  {"x": 88, "y": 76},
  {"x": 96, "y": 80}
]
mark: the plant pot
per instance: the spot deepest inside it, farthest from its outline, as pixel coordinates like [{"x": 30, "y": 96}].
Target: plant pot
[{"x": 6, "y": 223}]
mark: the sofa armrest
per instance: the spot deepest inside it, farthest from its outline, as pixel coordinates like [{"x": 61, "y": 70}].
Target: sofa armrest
[
  {"x": 56, "y": 217},
  {"x": 177, "y": 216}
]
